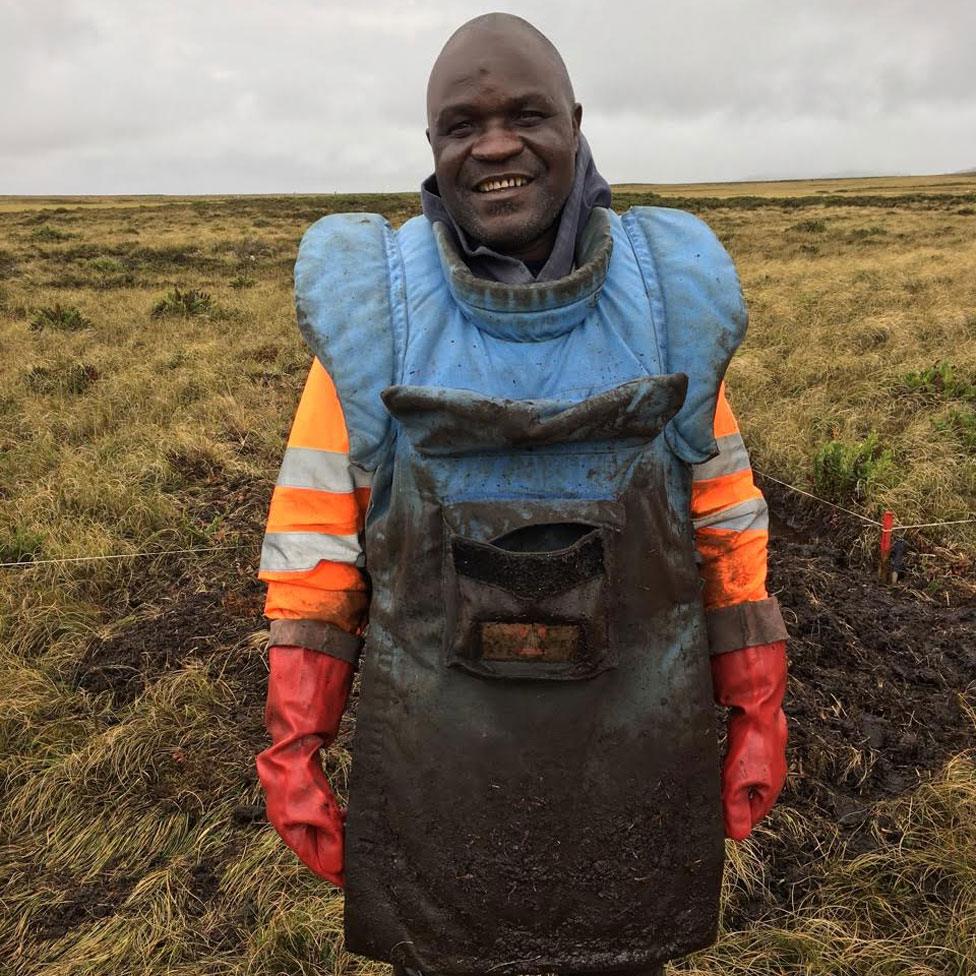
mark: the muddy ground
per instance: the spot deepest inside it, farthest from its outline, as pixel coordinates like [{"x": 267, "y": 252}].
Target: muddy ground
[
  {"x": 879, "y": 679},
  {"x": 875, "y": 702}
]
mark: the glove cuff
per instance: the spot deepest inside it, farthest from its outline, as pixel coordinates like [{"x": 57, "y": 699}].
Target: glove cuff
[
  {"x": 745, "y": 625},
  {"x": 317, "y": 635}
]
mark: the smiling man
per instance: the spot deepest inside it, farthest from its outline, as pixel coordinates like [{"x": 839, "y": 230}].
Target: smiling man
[
  {"x": 507, "y": 193},
  {"x": 514, "y": 458}
]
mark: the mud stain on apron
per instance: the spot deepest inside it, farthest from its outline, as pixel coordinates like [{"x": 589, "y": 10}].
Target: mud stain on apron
[{"x": 535, "y": 774}]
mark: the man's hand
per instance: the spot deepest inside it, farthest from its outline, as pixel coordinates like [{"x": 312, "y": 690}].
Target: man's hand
[
  {"x": 752, "y": 682},
  {"x": 307, "y": 694}
]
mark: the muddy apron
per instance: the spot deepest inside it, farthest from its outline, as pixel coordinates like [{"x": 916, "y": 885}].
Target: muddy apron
[{"x": 535, "y": 778}]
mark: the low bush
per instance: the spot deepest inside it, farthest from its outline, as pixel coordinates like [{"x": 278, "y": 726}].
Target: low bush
[
  {"x": 962, "y": 424},
  {"x": 18, "y": 545},
  {"x": 851, "y": 472},
  {"x": 865, "y": 233},
  {"x": 107, "y": 264},
  {"x": 940, "y": 381},
  {"x": 243, "y": 280},
  {"x": 62, "y": 318},
  {"x": 184, "y": 304},
  {"x": 810, "y": 226},
  {"x": 8, "y": 264}
]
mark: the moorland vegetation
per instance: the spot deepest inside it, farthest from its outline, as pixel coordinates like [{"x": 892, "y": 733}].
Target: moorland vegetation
[{"x": 150, "y": 369}]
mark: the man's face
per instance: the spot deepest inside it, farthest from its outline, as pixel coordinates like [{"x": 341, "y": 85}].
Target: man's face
[{"x": 504, "y": 132}]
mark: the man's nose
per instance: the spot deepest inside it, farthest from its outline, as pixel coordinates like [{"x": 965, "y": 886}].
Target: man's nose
[{"x": 496, "y": 143}]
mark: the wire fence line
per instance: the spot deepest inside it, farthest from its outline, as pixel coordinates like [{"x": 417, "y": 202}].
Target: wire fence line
[
  {"x": 858, "y": 515},
  {"x": 823, "y": 501},
  {"x": 32, "y": 563},
  {"x": 29, "y": 563}
]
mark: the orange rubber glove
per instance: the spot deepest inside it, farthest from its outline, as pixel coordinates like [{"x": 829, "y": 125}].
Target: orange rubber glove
[
  {"x": 752, "y": 682},
  {"x": 307, "y": 694}
]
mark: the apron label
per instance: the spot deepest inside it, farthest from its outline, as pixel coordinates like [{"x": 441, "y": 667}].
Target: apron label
[{"x": 530, "y": 642}]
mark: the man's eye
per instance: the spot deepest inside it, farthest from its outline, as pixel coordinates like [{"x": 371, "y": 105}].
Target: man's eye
[
  {"x": 459, "y": 128},
  {"x": 530, "y": 116}
]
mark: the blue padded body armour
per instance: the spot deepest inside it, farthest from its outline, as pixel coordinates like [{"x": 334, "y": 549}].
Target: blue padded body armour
[{"x": 535, "y": 769}]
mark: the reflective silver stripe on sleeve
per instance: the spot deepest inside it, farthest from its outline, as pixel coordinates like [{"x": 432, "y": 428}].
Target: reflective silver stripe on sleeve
[
  {"x": 292, "y": 552},
  {"x": 750, "y": 514},
  {"x": 306, "y": 467},
  {"x": 732, "y": 457}
]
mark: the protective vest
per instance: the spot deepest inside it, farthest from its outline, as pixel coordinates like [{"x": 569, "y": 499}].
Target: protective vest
[{"x": 535, "y": 780}]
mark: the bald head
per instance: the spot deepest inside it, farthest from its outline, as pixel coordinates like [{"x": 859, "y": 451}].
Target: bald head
[
  {"x": 479, "y": 41},
  {"x": 504, "y": 128}
]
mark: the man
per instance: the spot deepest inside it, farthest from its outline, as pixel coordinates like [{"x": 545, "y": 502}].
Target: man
[{"x": 515, "y": 423}]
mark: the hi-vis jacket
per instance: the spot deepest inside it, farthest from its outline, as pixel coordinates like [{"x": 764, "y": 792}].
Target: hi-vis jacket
[
  {"x": 535, "y": 768},
  {"x": 313, "y": 558}
]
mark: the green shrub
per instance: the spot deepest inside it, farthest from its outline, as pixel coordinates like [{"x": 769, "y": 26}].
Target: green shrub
[
  {"x": 962, "y": 424},
  {"x": 941, "y": 382},
  {"x": 107, "y": 265},
  {"x": 185, "y": 304},
  {"x": 243, "y": 280},
  {"x": 59, "y": 317},
  {"x": 846, "y": 472}
]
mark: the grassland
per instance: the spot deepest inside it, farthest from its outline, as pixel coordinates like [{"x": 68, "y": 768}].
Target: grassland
[{"x": 150, "y": 368}]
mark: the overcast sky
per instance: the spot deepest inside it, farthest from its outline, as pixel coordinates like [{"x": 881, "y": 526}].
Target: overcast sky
[{"x": 259, "y": 96}]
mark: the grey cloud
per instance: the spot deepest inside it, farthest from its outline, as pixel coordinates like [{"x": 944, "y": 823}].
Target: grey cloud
[
  {"x": 756, "y": 58},
  {"x": 115, "y": 96}
]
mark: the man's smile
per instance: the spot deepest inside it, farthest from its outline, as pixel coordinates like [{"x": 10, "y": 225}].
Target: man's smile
[{"x": 507, "y": 181}]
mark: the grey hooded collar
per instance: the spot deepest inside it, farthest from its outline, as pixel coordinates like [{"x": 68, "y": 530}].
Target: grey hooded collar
[{"x": 537, "y": 310}]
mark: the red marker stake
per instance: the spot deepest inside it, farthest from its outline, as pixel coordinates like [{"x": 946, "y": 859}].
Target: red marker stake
[{"x": 884, "y": 546}]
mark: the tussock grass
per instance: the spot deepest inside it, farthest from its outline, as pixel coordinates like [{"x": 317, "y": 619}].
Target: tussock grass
[
  {"x": 908, "y": 906},
  {"x": 131, "y": 827}
]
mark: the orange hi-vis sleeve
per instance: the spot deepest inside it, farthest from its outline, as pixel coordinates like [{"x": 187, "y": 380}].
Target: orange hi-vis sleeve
[
  {"x": 730, "y": 518},
  {"x": 312, "y": 558}
]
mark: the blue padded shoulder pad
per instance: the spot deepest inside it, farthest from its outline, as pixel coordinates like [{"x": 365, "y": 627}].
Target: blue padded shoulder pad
[
  {"x": 698, "y": 309},
  {"x": 346, "y": 276}
]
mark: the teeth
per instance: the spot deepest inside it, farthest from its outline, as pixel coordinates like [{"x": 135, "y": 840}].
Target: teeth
[{"x": 502, "y": 184}]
